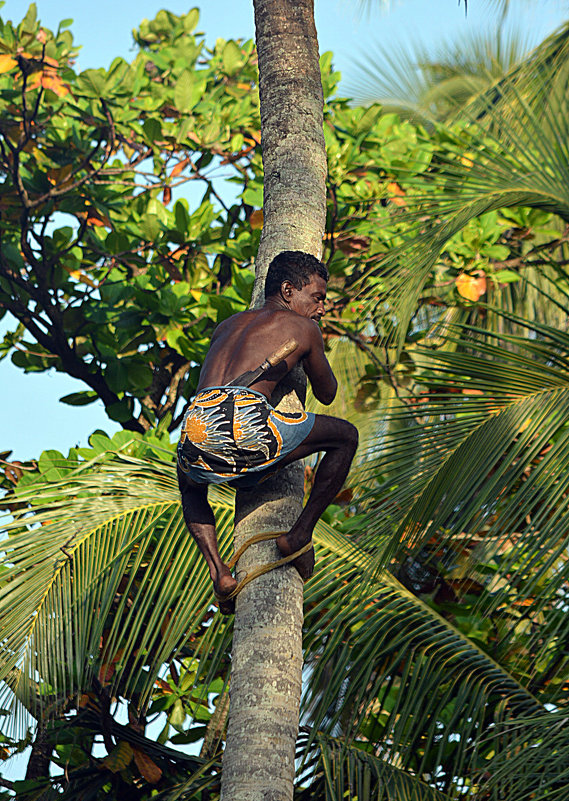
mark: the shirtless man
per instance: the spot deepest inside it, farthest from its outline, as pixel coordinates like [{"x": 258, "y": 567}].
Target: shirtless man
[{"x": 232, "y": 434}]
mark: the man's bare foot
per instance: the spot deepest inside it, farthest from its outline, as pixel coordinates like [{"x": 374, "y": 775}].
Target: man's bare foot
[
  {"x": 292, "y": 542},
  {"x": 223, "y": 586}
]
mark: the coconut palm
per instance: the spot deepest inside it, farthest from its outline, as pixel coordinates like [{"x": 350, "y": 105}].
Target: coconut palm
[{"x": 267, "y": 642}]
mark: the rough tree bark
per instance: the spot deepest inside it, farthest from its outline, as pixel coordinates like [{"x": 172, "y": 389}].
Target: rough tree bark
[{"x": 258, "y": 763}]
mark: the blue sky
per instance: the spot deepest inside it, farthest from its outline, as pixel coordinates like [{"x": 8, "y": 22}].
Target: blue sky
[{"x": 32, "y": 418}]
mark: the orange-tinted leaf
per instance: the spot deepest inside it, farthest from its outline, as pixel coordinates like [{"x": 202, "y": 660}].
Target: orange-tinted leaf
[
  {"x": 94, "y": 218},
  {"x": 179, "y": 167},
  {"x": 149, "y": 770},
  {"x": 470, "y": 286},
  {"x": 7, "y": 63},
  {"x": 254, "y": 136},
  {"x": 89, "y": 700},
  {"x": 164, "y": 686},
  {"x": 106, "y": 672},
  {"x": 179, "y": 252},
  {"x": 256, "y": 219},
  {"x": 166, "y": 195},
  {"x": 398, "y": 194},
  {"x": 47, "y": 77},
  {"x": 55, "y": 84}
]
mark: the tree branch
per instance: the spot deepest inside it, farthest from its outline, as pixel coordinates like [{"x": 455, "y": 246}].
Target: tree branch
[{"x": 68, "y": 188}]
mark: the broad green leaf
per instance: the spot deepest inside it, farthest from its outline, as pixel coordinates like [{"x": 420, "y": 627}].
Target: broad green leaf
[
  {"x": 79, "y": 398},
  {"x": 183, "y": 92}
]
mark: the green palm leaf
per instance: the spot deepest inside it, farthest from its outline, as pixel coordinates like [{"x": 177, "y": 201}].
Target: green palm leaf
[
  {"x": 338, "y": 770},
  {"x": 103, "y": 580},
  {"x": 487, "y": 464},
  {"x": 426, "y": 85},
  {"x": 534, "y": 751},
  {"x": 514, "y": 153},
  {"x": 385, "y": 667}
]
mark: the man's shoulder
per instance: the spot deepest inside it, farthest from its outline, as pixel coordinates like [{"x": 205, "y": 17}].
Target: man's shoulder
[
  {"x": 292, "y": 322},
  {"x": 292, "y": 317},
  {"x": 237, "y": 320},
  {"x": 285, "y": 320}
]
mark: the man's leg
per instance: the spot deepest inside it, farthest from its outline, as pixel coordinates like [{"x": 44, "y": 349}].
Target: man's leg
[
  {"x": 200, "y": 521},
  {"x": 339, "y": 440}
]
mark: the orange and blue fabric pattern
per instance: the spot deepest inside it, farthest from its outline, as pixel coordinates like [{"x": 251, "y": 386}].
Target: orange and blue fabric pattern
[{"x": 233, "y": 433}]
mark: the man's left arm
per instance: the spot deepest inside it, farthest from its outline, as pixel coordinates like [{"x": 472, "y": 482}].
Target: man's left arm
[{"x": 317, "y": 368}]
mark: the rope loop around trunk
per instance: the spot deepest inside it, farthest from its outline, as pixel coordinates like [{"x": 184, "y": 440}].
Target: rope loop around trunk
[{"x": 259, "y": 571}]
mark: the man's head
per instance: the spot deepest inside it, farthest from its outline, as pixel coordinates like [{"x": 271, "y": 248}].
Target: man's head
[{"x": 298, "y": 279}]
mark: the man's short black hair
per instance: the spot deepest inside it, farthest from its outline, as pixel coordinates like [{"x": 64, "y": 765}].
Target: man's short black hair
[{"x": 294, "y": 266}]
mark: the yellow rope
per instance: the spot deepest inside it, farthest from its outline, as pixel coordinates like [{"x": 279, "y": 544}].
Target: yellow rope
[
  {"x": 259, "y": 571},
  {"x": 264, "y": 535}
]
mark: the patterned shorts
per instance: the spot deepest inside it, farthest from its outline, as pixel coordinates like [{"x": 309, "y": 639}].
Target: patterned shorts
[{"x": 231, "y": 432}]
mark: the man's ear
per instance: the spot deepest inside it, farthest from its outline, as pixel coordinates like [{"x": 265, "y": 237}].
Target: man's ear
[{"x": 286, "y": 290}]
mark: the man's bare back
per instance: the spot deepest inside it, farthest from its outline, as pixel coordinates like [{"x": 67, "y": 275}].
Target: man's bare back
[{"x": 245, "y": 340}]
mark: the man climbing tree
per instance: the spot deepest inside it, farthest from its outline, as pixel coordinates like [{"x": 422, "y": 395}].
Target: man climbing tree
[{"x": 231, "y": 433}]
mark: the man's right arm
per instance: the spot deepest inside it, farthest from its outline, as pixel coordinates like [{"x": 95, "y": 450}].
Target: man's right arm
[{"x": 317, "y": 368}]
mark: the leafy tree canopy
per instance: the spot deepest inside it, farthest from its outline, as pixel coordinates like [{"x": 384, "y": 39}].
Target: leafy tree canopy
[{"x": 116, "y": 284}]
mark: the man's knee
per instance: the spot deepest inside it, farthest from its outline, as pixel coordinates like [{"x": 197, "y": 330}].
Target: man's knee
[{"x": 350, "y": 436}]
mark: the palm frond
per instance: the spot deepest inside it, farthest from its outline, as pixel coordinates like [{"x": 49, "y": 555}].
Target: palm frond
[
  {"x": 202, "y": 778},
  {"x": 514, "y": 153},
  {"x": 385, "y": 667},
  {"x": 482, "y": 471},
  {"x": 485, "y": 462},
  {"x": 427, "y": 85},
  {"x": 531, "y": 760},
  {"x": 337, "y": 770},
  {"x": 103, "y": 581}
]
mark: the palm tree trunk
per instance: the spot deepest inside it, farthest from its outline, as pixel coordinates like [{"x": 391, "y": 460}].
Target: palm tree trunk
[
  {"x": 294, "y": 153},
  {"x": 266, "y": 676}
]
